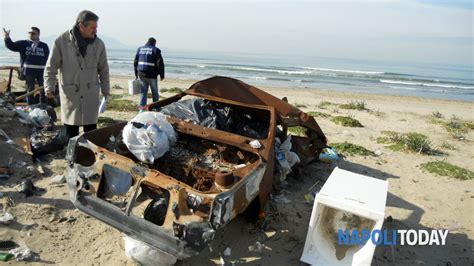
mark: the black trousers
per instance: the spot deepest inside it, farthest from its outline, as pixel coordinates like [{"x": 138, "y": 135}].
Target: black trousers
[
  {"x": 30, "y": 85},
  {"x": 72, "y": 131}
]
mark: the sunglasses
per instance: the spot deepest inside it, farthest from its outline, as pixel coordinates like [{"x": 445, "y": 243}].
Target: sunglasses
[{"x": 32, "y": 33}]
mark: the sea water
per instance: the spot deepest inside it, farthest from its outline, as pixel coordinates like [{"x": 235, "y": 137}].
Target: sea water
[{"x": 437, "y": 81}]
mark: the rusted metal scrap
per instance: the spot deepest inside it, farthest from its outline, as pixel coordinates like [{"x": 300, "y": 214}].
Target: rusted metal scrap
[{"x": 209, "y": 177}]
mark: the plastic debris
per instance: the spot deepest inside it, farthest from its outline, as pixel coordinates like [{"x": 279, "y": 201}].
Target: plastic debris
[
  {"x": 6, "y": 256},
  {"x": 40, "y": 117},
  {"x": 255, "y": 144},
  {"x": 48, "y": 141},
  {"x": 328, "y": 155},
  {"x": 145, "y": 254},
  {"x": 7, "y": 244},
  {"x": 309, "y": 197},
  {"x": 149, "y": 136},
  {"x": 23, "y": 253},
  {"x": 227, "y": 252},
  {"x": 29, "y": 189},
  {"x": 59, "y": 179},
  {"x": 217, "y": 115},
  {"x": 378, "y": 152},
  {"x": 6, "y": 218},
  {"x": 257, "y": 247},
  {"x": 24, "y": 115},
  {"x": 285, "y": 157},
  {"x": 281, "y": 199}
]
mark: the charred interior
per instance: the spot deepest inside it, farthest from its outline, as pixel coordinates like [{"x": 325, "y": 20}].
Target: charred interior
[
  {"x": 205, "y": 165},
  {"x": 197, "y": 162}
]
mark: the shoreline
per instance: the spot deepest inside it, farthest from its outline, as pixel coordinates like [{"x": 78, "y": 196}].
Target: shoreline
[
  {"x": 309, "y": 98},
  {"x": 323, "y": 92}
]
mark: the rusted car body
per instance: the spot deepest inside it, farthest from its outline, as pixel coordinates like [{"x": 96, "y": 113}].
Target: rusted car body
[{"x": 209, "y": 177}]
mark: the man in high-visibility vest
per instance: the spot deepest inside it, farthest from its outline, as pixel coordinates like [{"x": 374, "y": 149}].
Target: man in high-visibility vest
[
  {"x": 148, "y": 64},
  {"x": 33, "y": 56}
]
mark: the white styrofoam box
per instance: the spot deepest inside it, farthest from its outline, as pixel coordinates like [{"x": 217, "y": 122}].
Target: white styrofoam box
[{"x": 345, "y": 197}]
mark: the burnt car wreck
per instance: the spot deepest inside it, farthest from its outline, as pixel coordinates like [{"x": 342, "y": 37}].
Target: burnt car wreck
[{"x": 209, "y": 176}]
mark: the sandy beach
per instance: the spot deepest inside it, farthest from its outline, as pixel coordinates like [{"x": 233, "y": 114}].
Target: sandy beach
[{"x": 50, "y": 225}]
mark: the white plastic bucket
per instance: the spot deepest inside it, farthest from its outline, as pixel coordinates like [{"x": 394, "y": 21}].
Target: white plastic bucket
[{"x": 134, "y": 87}]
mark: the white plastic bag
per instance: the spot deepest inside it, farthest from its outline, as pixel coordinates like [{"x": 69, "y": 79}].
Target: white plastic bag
[
  {"x": 146, "y": 255},
  {"x": 149, "y": 136},
  {"x": 39, "y": 117},
  {"x": 134, "y": 87},
  {"x": 285, "y": 157}
]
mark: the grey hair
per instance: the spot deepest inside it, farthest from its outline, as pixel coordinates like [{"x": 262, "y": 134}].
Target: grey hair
[{"x": 85, "y": 16}]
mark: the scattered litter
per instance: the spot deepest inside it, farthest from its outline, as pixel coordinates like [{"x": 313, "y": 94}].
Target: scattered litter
[
  {"x": 216, "y": 115},
  {"x": 29, "y": 189},
  {"x": 281, "y": 199},
  {"x": 48, "y": 141},
  {"x": 39, "y": 117},
  {"x": 309, "y": 198},
  {"x": 20, "y": 164},
  {"x": 257, "y": 247},
  {"x": 378, "y": 152},
  {"x": 59, "y": 179},
  {"x": 328, "y": 155},
  {"x": 285, "y": 157},
  {"x": 23, "y": 115},
  {"x": 255, "y": 144},
  {"x": 40, "y": 169},
  {"x": 149, "y": 136},
  {"x": 222, "y": 261},
  {"x": 23, "y": 254},
  {"x": 6, "y": 256},
  {"x": 145, "y": 254},
  {"x": 6, "y": 218},
  {"x": 270, "y": 234},
  {"x": 227, "y": 252},
  {"x": 30, "y": 169}
]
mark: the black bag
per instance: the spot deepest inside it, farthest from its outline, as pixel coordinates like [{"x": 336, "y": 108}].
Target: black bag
[{"x": 45, "y": 141}]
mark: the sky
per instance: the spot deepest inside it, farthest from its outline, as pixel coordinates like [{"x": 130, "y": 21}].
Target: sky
[{"x": 425, "y": 31}]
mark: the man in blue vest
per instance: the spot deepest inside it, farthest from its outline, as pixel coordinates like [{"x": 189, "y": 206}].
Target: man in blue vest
[
  {"x": 33, "y": 57},
  {"x": 148, "y": 64}
]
